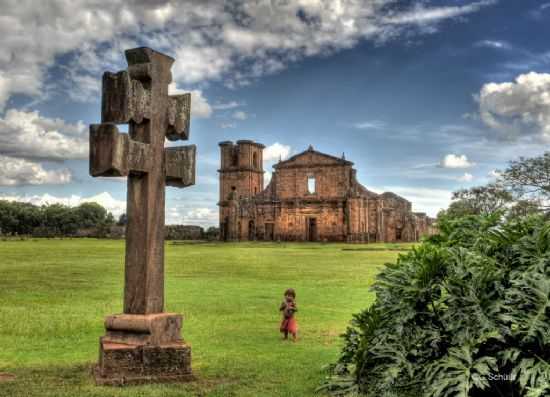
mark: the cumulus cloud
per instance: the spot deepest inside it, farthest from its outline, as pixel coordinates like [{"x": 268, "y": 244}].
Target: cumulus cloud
[
  {"x": 201, "y": 216},
  {"x": 19, "y": 172},
  {"x": 240, "y": 115},
  {"x": 29, "y": 135},
  {"x": 230, "y": 41},
  {"x": 455, "y": 161},
  {"x": 494, "y": 174},
  {"x": 467, "y": 177},
  {"x": 276, "y": 151},
  {"x": 519, "y": 108},
  {"x": 116, "y": 207}
]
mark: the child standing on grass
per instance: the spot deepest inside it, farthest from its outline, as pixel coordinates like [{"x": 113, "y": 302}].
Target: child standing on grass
[{"x": 288, "y": 307}]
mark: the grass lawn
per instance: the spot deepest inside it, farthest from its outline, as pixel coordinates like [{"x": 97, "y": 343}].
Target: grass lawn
[{"x": 54, "y": 295}]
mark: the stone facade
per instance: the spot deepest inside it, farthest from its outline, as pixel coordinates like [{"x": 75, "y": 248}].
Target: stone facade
[{"x": 311, "y": 197}]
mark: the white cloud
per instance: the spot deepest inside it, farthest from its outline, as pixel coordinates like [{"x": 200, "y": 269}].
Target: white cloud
[
  {"x": 233, "y": 41},
  {"x": 427, "y": 200},
  {"x": 518, "y": 108},
  {"x": 369, "y": 125},
  {"x": 227, "y": 125},
  {"x": 276, "y": 151},
  {"x": 467, "y": 177},
  {"x": 240, "y": 115},
  {"x": 455, "y": 161},
  {"x": 494, "y": 174},
  {"x": 226, "y": 105},
  {"x": 19, "y": 172},
  {"x": 539, "y": 12},
  {"x": 497, "y": 44},
  {"x": 116, "y": 207},
  {"x": 267, "y": 178},
  {"x": 30, "y": 135},
  {"x": 199, "y": 104},
  {"x": 420, "y": 14},
  {"x": 201, "y": 216}
]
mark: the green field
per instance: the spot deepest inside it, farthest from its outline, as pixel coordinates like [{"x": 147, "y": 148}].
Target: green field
[{"x": 54, "y": 295}]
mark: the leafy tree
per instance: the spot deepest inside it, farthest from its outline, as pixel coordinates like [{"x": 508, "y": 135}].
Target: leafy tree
[
  {"x": 530, "y": 178},
  {"x": 61, "y": 219},
  {"x": 109, "y": 219},
  {"x": 479, "y": 200},
  {"x": 455, "y": 315},
  {"x": 122, "y": 220},
  {"x": 212, "y": 233},
  {"x": 90, "y": 215}
]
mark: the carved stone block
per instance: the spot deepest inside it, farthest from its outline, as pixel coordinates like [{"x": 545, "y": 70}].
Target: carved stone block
[
  {"x": 151, "y": 329},
  {"x": 124, "y": 99},
  {"x": 123, "y": 364},
  {"x": 108, "y": 151},
  {"x": 180, "y": 165},
  {"x": 179, "y": 107}
]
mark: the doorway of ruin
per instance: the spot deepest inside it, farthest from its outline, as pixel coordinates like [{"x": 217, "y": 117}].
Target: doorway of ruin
[
  {"x": 224, "y": 228},
  {"x": 251, "y": 231},
  {"x": 269, "y": 235},
  {"x": 311, "y": 229}
]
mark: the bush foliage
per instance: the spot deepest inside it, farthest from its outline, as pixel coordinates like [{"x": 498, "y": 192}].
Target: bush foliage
[{"x": 467, "y": 313}]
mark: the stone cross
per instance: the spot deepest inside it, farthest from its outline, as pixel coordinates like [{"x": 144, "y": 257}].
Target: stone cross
[{"x": 139, "y": 97}]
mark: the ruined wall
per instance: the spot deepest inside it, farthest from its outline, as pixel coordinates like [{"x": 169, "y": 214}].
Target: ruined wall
[
  {"x": 330, "y": 181},
  {"x": 311, "y": 197}
]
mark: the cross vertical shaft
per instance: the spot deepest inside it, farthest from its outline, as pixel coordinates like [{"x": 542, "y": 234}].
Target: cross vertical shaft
[{"x": 144, "y": 269}]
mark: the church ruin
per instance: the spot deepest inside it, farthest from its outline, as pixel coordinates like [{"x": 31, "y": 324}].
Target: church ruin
[{"x": 312, "y": 196}]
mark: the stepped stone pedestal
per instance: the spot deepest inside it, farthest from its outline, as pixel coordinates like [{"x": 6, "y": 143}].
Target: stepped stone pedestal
[{"x": 139, "y": 349}]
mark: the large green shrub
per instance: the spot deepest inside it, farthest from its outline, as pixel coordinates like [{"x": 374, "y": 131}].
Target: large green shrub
[{"x": 467, "y": 313}]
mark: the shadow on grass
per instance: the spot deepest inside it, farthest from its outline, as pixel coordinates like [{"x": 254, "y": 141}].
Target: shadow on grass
[
  {"x": 398, "y": 249},
  {"x": 77, "y": 380}
]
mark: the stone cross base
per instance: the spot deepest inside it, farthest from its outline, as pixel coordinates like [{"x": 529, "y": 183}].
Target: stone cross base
[{"x": 140, "y": 349}]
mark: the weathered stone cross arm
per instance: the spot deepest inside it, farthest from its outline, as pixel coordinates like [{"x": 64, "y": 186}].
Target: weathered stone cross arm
[{"x": 115, "y": 154}]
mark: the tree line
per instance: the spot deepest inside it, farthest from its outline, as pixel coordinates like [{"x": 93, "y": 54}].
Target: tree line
[
  {"x": 18, "y": 218},
  {"x": 86, "y": 220}
]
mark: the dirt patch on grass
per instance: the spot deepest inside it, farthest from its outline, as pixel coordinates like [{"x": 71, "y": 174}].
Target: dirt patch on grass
[{"x": 5, "y": 377}]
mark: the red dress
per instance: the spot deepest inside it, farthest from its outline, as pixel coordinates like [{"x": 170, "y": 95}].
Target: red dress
[{"x": 289, "y": 323}]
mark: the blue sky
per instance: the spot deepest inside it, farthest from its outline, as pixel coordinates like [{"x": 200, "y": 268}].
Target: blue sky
[{"x": 424, "y": 96}]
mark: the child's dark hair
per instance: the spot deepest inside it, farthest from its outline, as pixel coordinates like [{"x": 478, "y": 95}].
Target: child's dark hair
[{"x": 291, "y": 292}]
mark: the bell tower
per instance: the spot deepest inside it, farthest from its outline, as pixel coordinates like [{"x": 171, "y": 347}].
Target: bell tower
[
  {"x": 241, "y": 171},
  {"x": 241, "y": 177}
]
